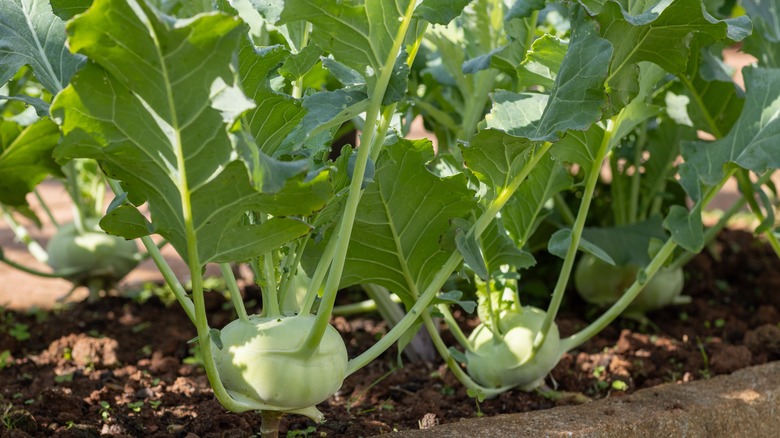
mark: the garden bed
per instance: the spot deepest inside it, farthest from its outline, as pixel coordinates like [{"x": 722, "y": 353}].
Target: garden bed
[{"x": 121, "y": 368}]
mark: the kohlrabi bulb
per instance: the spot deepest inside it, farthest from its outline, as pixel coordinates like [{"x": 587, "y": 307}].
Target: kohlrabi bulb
[
  {"x": 503, "y": 361},
  {"x": 92, "y": 254},
  {"x": 260, "y": 364},
  {"x": 602, "y": 284}
]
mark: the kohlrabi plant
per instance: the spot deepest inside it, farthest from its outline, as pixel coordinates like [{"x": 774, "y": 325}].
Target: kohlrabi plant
[
  {"x": 607, "y": 95},
  {"x": 35, "y": 65}
]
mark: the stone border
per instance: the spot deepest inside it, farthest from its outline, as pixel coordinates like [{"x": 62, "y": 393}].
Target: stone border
[{"x": 743, "y": 404}]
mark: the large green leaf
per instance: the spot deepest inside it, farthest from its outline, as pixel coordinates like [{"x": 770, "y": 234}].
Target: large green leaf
[
  {"x": 764, "y": 44},
  {"x": 754, "y": 141},
  {"x": 440, "y": 11},
  {"x": 576, "y": 99},
  {"x": 154, "y": 113},
  {"x": 496, "y": 157},
  {"x": 499, "y": 250},
  {"x": 580, "y": 147},
  {"x": 522, "y": 213},
  {"x": 25, "y": 158},
  {"x": 542, "y": 62},
  {"x": 658, "y": 31},
  {"x": 753, "y": 144},
  {"x": 30, "y": 34},
  {"x": 714, "y": 100},
  {"x": 276, "y": 115},
  {"x": 401, "y": 236},
  {"x": 358, "y": 34}
]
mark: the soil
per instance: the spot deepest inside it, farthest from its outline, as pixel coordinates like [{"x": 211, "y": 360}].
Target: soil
[{"x": 119, "y": 367}]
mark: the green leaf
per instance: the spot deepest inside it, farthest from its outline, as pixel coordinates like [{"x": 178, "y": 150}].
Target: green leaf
[
  {"x": 30, "y": 34},
  {"x": 714, "y": 100},
  {"x": 516, "y": 113},
  {"x": 276, "y": 115},
  {"x": 126, "y": 221},
  {"x": 153, "y": 126},
  {"x": 298, "y": 64},
  {"x": 25, "y": 158},
  {"x": 247, "y": 241},
  {"x": 523, "y": 212},
  {"x": 342, "y": 73},
  {"x": 577, "y": 98},
  {"x": 561, "y": 239},
  {"x": 658, "y": 31},
  {"x": 67, "y": 9},
  {"x": 524, "y": 8},
  {"x": 470, "y": 249},
  {"x": 455, "y": 297},
  {"x": 41, "y": 106},
  {"x": 440, "y": 11},
  {"x": 359, "y": 35},
  {"x": 629, "y": 244},
  {"x": 543, "y": 61},
  {"x": 754, "y": 141},
  {"x": 686, "y": 227},
  {"x": 499, "y": 249},
  {"x": 401, "y": 236},
  {"x": 580, "y": 147},
  {"x": 764, "y": 44},
  {"x": 496, "y": 157},
  {"x": 327, "y": 110}
]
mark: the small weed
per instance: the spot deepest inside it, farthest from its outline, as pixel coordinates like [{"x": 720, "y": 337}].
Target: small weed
[
  {"x": 6, "y": 361},
  {"x": 720, "y": 323},
  {"x": 63, "y": 378},
  {"x": 136, "y": 406},
  {"x": 722, "y": 285},
  {"x": 105, "y": 410},
  {"x": 619, "y": 385},
  {"x": 478, "y": 397},
  {"x": 19, "y": 332},
  {"x": 155, "y": 404},
  {"x": 138, "y": 328},
  {"x": 305, "y": 433},
  {"x": 7, "y": 417},
  {"x": 705, "y": 371}
]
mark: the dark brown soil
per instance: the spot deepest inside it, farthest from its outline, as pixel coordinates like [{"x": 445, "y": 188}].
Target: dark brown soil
[{"x": 119, "y": 368}]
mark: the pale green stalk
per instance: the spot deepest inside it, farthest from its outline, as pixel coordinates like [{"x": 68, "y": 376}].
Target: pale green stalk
[
  {"x": 271, "y": 307},
  {"x": 344, "y": 231},
  {"x": 454, "y": 328},
  {"x": 21, "y": 234},
  {"x": 319, "y": 275},
  {"x": 235, "y": 294},
  {"x": 576, "y": 235},
  {"x": 29, "y": 270},
  {"x": 45, "y": 208},
  {"x": 636, "y": 178}
]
